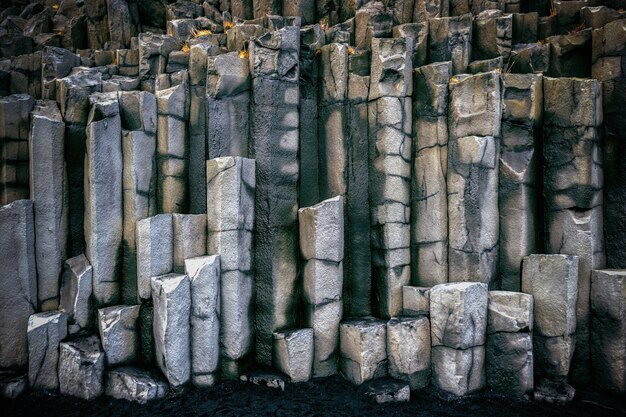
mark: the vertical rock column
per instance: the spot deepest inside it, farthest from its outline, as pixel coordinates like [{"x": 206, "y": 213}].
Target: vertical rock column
[
  {"x": 48, "y": 181},
  {"x": 230, "y": 225},
  {"x": 103, "y": 197},
  {"x": 473, "y": 128},
  {"x": 450, "y": 39},
  {"x": 458, "y": 323},
  {"x": 322, "y": 247},
  {"x": 357, "y": 262},
  {"x": 227, "y": 107},
  {"x": 573, "y": 180},
  {"x": 274, "y": 63},
  {"x": 138, "y": 111},
  {"x": 45, "y": 333},
  {"x": 390, "y": 146},
  {"x": 172, "y": 148},
  {"x": 14, "y": 128},
  {"x": 522, "y": 109},
  {"x": 429, "y": 199}
]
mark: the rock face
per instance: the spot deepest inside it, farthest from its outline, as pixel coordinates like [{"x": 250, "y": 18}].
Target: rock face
[
  {"x": 45, "y": 333},
  {"x": 450, "y": 39},
  {"x": 75, "y": 294},
  {"x": 322, "y": 247},
  {"x": 19, "y": 280},
  {"x": 415, "y": 301},
  {"x": 172, "y": 305},
  {"x": 608, "y": 328},
  {"x": 363, "y": 349},
  {"x": 458, "y": 371},
  {"x": 293, "y": 353},
  {"x": 408, "y": 350},
  {"x": 189, "y": 231},
  {"x": 81, "y": 368},
  {"x": 134, "y": 384},
  {"x": 155, "y": 251},
  {"x": 119, "y": 333}
]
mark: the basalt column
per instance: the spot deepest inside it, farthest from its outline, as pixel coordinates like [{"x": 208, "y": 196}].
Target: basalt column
[
  {"x": 274, "y": 63},
  {"x": 389, "y": 114},
  {"x": 573, "y": 180},
  {"x": 473, "y": 126},
  {"x": 429, "y": 199},
  {"x": 522, "y": 108}
]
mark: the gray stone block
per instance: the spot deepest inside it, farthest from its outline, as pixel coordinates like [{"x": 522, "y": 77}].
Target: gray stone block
[
  {"x": 509, "y": 312},
  {"x": 450, "y": 39},
  {"x": 293, "y": 353},
  {"x": 118, "y": 327},
  {"x": 75, "y": 294},
  {"x": 81, "y": 368},
  {"x": 155, "y": 251},
  {"x": 322, "y": 230},
  {"x": 45, "y": 333},
  {"x": 509, "y": 363},
  {"x": 135, "y": 384},
  {"x": 415, "y": 301},
  {"x": 13, "y": 384},
  {"x": 388, "y": 390},
  {"x": 236, "y": 316},
  {"x": 189, "y": 238},
  {"x": 391, "y": 68},
  {"x": 553, "y": 357},
  {"x": 459, "y": 372},
  {"x": 363, "y": 349},
  {"x": 417, "y": 34},
  {"x": 408, "y": 350},
  {"x": 324, "y": 319},
  {"x": 322, "y": 281}
]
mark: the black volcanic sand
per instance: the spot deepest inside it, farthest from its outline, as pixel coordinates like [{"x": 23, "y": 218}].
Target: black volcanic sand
[{"x": 321, "y": 397}]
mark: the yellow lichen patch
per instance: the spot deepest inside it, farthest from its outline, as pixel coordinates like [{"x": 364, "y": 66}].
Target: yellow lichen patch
[
  {"x": 350, "y": 50},
  {"x": 185, "y": 48},
  {"x": 59, "y": 33},
  {"x": 243, "y": 54},
  {"x": 228, "y": 25},
  {"x": 55, "y": 7},
  {"x": 196, "y": 33}
]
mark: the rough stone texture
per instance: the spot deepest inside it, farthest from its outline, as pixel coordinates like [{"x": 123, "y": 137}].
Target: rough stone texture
[
  {"x": 450, "y": 39},
  {"x": 492, "y": 35},
  {"x": 530, "y": 58},
  {"x": 363, "y": 349},
  {"x": 429, "y": 200},
  {"x": 12, "y": 384},
  {"x": 608, "y": 328},
  {"x": 275, "y": 140},
  {"x": 417, "y": 35},
  {"x": 386, "y": 390},
  {"x": 554, "y": 392},
  {"x": 391, "y": 67},
  {"x": 103, "y": 197},
  {"x": 172, "y": 306},
  {"x": 415, "y": 301},
  {"x": 153, "y": 52},
  {"x": 427, "y": 9},
  {"x": 134, "y": 384},
  {"x": 458, "y": 314},
  {"x": 155, "y": 251},
  {"x": 48, "y": 183},
  {"x": 459, "y": 372},
  {"x": 189, "y": 238},
  {"x": 408, "y": 350},
  {"x": 509, "y": 312},
  {"x": 18, "y": 279},
  {"x": 509, "y": 363},
  {"x": 75, "y": 294},
  {"x": 321, "y": 228},
  {"x": 293, "y": 353},
  {"x": 569, "y": 54},
  {"x": 522, "y": 109},
  {"x": 81, "y": 368},
  {"x": 119, "y": 333},
  {"x": 204, "y": 277},
  {"x": 45, "y": 332},
  {"x": 55, "y": 63},
  {"x": 373, "y": 20}
]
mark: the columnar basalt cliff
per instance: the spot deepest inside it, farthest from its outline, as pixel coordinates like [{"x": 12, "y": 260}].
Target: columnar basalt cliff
[{"x": 429, "y": 192}]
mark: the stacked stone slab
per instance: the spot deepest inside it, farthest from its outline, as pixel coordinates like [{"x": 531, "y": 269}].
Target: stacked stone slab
[
  {"x": 103, "y": 197},
  {"x": 608, "y": 66},
  {"x": 14, "y": 128},
  {"x": 173, "y": 148},
  {"x": 204, "y": 277},
  {"x": 48, "y": 184},
  {"x": 408, "y": 350},
  {"x": 363, "y": 349},
  {"x": 154, "y": 49},
  {"x": 573, "y": 181},
  {"x": 275, "y": 140},
  {"x": 552, "y": 280},
  {"x": 75, "y": 294},
  {"x": 322, "y": 247},
  {"x": 293, "y": 353},
  {"x": 138, "y": 113},
  {"x": 509, "y": 350},
  {"x": 608, "y": 328},
  {"x": 450, "y": 39},
  {"x": 390, "y": 148},
  {"x": 189, "y": 231},
  {"x": 492, "y": 35},
  {"x": 231, "y": 188},
  {"x": 417, "y": 33},
  {"x": 81, "y": 368},
  {"x": 472, "y": 181},
  {"x": 458, "y": 323},
  {"x": 19, "y": 280},
  {"x": 45, "y": 333},
  {"x": 357, "y": 262},
  {"x": 522, "y": 109},
  {"x": 118, "y": 327},
  {"x": 429, "y": 199},
  {"x": 415, "y": 301}
]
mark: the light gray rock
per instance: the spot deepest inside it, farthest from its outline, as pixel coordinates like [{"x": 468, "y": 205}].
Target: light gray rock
[
  {"x": 45, "y": 333},
  {"x": 118, "y": 327},
  {"x": 48, "y": 183},
  {"x": 391, "y": 68},
  {"x": 363, "y": 349},
  {"x": 415, "y": 301},
  {"x": 19, "y": 281},
  {"x": 408, "y": 350},
  {"x": 322, "y": 281},
  {"x": 426, "y": 9},
  {"x": 553, "y": 357},
  {"x": 322, "y": 231},
  {"x": 138, "y": 110},
  {"x": 189, "y": 238},
  {"x": 13, "y": 384},
  {"x": 371, "y": 20},
  {"x": 55, "y": 63},
  {"x": 204, "y": 277},
  {"x": 172, "y": 306},
  {"x": 492, "y": 35},
  {"x": 387, "y": 390},
  {"x": 153, "y": 52},
  {"x": 509, "y": 312},
  {"x": 155, "y": 251},
  {"x": 417, "y": 34},
  {"x": 429, "y": 200},
  {"x": 509, "y": 363},
  {"x": 608, "y": 328},
  {"x": 552, "y": 280},
  {"x": 450, "y": 39},
  {"x": 75, "y": 294},
  {"x": 135, "y": 384},
  {"x": 103, "y": 197},
  {"x": 459, "y": 372},
  {"x": 81, "y": 368},
  {"x": 293, "y": 353},
  {"x": 234, "y": 247},
  {"x": 458, "y": 314}
]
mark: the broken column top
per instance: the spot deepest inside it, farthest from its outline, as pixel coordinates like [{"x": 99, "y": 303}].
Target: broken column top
[
  {"x": 608, "y": 293},
  {"x": 570, "y": 102},
  {"x": 322, "y": 229},
  {"x": 391, "y": 68},
  {"x": 227, "y": 75},
  {"x": 138, "y": 110},
  {"x": 510, "y": 312},
  {"x": 522, "y": 98},
  {"x": 266, "y": 50},
  {"x": 475, "y": 105},
  {"x": 430, "y": 88}
]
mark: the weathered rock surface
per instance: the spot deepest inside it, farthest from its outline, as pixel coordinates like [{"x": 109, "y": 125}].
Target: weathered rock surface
[
  {"x": 363, "y": 349},
  {"x": 155, "y": 251},
  {"x": 408, "y": 350},
  {"x": 189, "y": 237},
  {"x": 135, "y": 384},
  {"x": 415, "y": 301},
  {"x": 387, "y": 390},
  {"x": 81, "y": 368},
  {"x": 509, "y": 312},
  {"x": 13, "y": 384},
  {"x": 75, "y": 294},
  {"x": 293, "y": 353},
  {"x": 118, "y": 327},
  {"x": 45, "y": 333},
  {"x": 458, "y": 371}
]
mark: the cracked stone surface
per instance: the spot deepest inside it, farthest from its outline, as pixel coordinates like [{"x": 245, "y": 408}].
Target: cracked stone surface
[
  {"x": 118, "y": 327},
  {"x": 135, "y": 384},
  {"x": 363, "y": 349},
  {"x": 408, "y": 350},
  {"x": 45, "y": 332}
]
